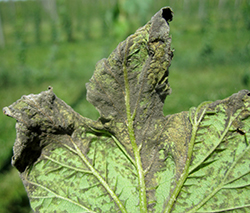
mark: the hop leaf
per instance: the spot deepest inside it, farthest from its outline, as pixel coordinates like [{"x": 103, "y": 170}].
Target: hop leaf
[{"x": 133, "y": 158}]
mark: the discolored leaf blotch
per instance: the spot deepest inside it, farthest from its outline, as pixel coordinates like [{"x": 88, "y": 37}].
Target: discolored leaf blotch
[{"x": 133, "y": 158}]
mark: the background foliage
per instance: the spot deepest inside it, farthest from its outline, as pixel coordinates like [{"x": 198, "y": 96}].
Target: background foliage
[{"x": 58, "y": 42}]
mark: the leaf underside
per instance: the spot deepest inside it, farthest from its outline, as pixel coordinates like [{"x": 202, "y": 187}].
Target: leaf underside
[{"x": 133, "y": 158}]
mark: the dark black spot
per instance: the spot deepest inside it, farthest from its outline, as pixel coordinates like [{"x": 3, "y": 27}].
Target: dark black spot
[
  {"x": 167, "y": 14},
  {"x": 242, "y": 132},
  {"x": 248, "y": 94}
]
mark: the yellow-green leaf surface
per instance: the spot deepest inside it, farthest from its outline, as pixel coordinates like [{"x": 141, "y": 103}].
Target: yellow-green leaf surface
[
  {"x": 133, "y": 158},
  {"x": 63, "y": 165},
  {"x": 219, "y": 173}
]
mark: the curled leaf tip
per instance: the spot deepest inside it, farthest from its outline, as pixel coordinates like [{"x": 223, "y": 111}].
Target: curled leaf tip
[
  {"x": 167, "y": 14},
  {"x": 50, "y": 88},
  {"x": 137, "y": 70}
]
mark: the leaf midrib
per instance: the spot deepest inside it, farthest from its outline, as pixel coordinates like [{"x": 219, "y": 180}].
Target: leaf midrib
[{"x": 136, "y": 150}]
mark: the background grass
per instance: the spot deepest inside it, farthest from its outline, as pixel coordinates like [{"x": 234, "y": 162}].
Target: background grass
[{"x": 59, "y": 46}]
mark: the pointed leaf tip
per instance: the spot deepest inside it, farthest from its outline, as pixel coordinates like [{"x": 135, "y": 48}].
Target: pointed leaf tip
[{"x": 143, "y": 60}]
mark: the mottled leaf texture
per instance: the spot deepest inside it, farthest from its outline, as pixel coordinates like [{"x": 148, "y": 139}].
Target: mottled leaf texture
[{"x": 133, "y": 158}]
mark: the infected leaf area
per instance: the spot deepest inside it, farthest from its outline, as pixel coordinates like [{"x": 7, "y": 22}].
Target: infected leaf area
[
  {"x": 80, "y": 177},
  {"x": 130, "y": 86},
  {"x": 219, "y": 173},
  {"x": 64, "y": 165},
  {"x": 164, "y": 157},
  {"x": 142, "y": 60},
  {"x": 39, "y": 116}
]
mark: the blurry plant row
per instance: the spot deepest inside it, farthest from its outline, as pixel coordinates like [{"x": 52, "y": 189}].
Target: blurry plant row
[
  {"x": 25, "y": 25},
  {"x": 28, "y": 24}
]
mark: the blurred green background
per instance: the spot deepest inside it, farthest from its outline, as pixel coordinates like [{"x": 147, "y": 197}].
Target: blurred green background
[{"x": 58, "y": 42}]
